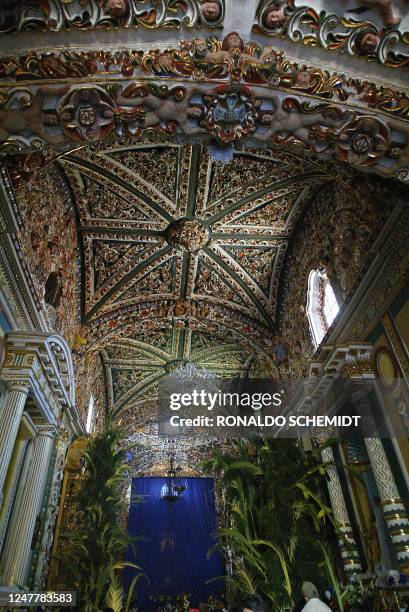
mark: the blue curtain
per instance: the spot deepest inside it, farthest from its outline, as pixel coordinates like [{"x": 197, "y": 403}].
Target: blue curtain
[{"x": 177, "y": 537}]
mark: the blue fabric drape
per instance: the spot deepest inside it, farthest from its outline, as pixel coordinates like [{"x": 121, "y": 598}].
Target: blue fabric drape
[{"x": 177, "y": 537}]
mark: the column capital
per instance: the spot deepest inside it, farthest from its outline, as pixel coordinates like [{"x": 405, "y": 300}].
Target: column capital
[
  {"x": 18, "y": 386},
  {"x": 359, "y": 368},
  {"x": 46, "y": 431}
]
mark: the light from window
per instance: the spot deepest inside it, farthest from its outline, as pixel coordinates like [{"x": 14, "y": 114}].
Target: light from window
[
  {"x": 90, "y": 416},
  {"x": 330, "y": 306},
  {"x": 322, "y": 305},
  {"x": 128, "y": 494}
]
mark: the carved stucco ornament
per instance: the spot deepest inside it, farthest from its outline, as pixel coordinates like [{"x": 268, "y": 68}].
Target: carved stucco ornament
[
  {"x": 212, "y": 59},
  {"x": 249, "y": 99},
  {"x": 357, "y": 369},
  {"x": 352, "y": 29},
  {"x": 231, "y": 112},
  {"x": 187, "y": 234},
  {"x": 403, "y": 174},
  {"x": 58, "y": 15},
  {"x": 362, "y": 141},
  {"x": 87, "y": 114}
]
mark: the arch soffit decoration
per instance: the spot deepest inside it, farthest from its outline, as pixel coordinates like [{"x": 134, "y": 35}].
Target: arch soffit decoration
[{"x": 225, "y": 92}]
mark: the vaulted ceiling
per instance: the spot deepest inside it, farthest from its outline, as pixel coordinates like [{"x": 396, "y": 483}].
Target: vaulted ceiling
[{"x": 182, "y": 258}]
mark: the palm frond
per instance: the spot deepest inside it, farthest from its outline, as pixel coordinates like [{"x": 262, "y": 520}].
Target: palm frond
[
  {"x": 131, "y": 590},
  {"x": 114, "y": 597}
]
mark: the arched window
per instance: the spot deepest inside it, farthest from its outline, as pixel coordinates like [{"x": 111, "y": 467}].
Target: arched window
[
  {"x": 322, "y": 305},
  {"x": 90, "y": 415},
  {"x": 53, "y": 289}
]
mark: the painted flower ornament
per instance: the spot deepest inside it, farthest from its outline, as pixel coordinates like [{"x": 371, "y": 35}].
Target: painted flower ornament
[
  {"x": 362, "y": 141},
  {"x": 87, "y": 114}
]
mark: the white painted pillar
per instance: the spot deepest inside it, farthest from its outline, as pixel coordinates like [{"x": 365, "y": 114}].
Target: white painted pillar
[
  {"x": 10, "y": 487},
  {"x": 347, "y": 544},
  {"x": 11, "y": 412},
  {"x": 396, "y": 518},
  {"x": 17, "y": 550}
]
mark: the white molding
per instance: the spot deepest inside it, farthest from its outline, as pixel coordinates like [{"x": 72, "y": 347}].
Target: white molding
[{"x": 44, "y": 363}]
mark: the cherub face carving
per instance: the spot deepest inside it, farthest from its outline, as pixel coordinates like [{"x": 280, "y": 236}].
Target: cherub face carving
[
  {"x": 117, "y": 8},
  {"x": 211, "y": 11},
  {"x": 369, "y": 42},
  {"x": 233, "y": 41},
  {"x": 274, "y": 17}
]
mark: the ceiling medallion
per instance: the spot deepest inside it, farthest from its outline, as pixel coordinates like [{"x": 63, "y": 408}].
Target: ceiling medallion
[{"x": 187, "y": 234}]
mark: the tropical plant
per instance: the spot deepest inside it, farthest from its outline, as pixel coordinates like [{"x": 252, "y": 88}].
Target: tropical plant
[
  {"x": 340, "y": 593},
  {"x": 116, "y": 599},
  {"x": 96, "y": 544},
  {"x": 276, "y": 509}
]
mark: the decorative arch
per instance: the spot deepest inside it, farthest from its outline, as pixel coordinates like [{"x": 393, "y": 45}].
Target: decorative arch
[
  {"x": 43, "y": 363},
  {"x": 62, "y": 355}
]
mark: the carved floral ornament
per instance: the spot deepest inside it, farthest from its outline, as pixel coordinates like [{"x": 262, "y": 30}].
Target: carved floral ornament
[
  {"x": 362, "y": 140},
  {"x": 228, "y": 91},
  {"x": 199, "y": 59},
  {"x": 187, "y": 234},
  {"x": 366, "y": 28},
  {"x": 353, "y": 29},
  {"x": 57, "y": 15},
  {"x": 154, "y": 262},
  {"x": 87, "y": 114}
]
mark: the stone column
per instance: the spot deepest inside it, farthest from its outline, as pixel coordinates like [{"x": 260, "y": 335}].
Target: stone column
[
  {"x": 17, "y": 550},
  {"x": 396, "y": 518},
  {"x": 10, "y": 416},
  {"x": 347, "y": 544},
  {"x": 51, "y": 513},
  {"x": 10, "y": 487}
]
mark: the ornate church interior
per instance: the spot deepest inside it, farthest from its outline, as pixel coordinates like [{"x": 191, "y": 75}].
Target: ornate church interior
[{"x": 196, "y": 194}]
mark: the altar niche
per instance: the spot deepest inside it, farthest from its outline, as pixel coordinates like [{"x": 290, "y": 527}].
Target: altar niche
[{"x": 175, "y": 540}]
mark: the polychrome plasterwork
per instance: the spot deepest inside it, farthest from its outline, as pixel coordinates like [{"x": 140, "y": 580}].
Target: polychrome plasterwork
[{"x": 256, "y": 96}]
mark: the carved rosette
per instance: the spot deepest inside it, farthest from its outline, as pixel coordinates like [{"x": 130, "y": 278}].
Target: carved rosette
[
  {"x": 231, "y": 114},
  {"x": 187, "y": 234},
  {"x": 363, "y": 141},
  {"x": 87, "y": 114}
]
